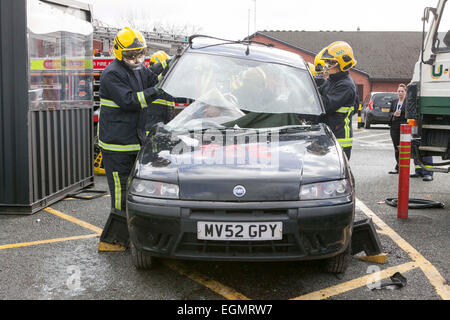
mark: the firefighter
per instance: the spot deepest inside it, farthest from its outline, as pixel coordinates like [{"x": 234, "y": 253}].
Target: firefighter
[
  {"x": 159, "y": 62},
  {"x": 339, "y": 92},
  {"x": 158, "y": 57},
  {"x": 319, "y": 65},
  {"x": 126, "y": 88}
]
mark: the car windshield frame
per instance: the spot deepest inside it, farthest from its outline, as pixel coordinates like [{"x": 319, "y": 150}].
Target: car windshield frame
[{"x": 236, "y": 86}]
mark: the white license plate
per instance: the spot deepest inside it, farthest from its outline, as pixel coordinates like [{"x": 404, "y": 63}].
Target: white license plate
[{"x": 239, "y": 231}]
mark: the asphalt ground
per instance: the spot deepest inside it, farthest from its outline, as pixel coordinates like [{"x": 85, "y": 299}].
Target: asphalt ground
[{"x": 52, "y": 255}]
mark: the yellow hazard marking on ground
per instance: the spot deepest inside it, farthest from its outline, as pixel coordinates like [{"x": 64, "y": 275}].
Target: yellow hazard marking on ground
[
  {"x": 213, "y": 285},
  {"x": 356, "y": 283},
  {"x": 435, "y": 278},
  {"x": 88, "y": 197},
  {"x": 34, "y": 243},
  {"x": 74, "y": 220},
  {"x": 433, "y": 275}
]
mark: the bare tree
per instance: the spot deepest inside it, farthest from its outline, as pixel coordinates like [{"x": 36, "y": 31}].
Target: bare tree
[
  {"x": 186, "y": 29},
  {"x": 136, "y": 18}
]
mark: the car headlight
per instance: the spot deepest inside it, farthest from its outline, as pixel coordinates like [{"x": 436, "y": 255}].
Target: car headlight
[
  {"x": 325, "y": 190},
  {"x": 155, "y": 189}
]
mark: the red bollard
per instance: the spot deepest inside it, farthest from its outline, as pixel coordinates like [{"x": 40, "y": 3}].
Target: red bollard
[{"x": 403, "y": 174}]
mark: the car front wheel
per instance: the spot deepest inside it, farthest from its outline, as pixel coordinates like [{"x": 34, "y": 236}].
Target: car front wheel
[
  {"x": 142, "y": 260},
  {"x": 339, "y": 263}
]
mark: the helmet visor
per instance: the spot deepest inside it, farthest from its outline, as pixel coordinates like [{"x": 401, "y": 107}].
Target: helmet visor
[
  {"x": 330, "y": 64},
  {"x": 134, "y": 54}
]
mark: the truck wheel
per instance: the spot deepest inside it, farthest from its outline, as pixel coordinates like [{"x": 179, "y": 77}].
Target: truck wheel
[
  {"x": 339, "y": 263},
  {"x": 142, "y": 260}
]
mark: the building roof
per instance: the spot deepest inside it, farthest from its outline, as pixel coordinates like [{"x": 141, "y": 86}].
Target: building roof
[{"x": 383, "y": 55}]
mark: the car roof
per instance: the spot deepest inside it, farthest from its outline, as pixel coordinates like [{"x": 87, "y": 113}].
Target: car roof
[{"x": 255, "y": 52}]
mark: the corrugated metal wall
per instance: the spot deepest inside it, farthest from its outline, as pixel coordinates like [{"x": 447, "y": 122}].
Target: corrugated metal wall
[
  {"x": 61, "y": 150},
  {"x": 44, "y": 154}
]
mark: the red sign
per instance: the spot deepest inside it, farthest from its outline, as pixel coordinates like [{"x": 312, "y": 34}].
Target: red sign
[{"x": 102, "y": 63}]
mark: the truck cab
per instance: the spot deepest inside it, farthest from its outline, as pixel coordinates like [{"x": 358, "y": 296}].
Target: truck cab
[{"x": 429, "y": 90}]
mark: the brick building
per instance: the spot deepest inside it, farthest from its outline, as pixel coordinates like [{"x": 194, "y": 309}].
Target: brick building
[{"x": 385, "y": 59}]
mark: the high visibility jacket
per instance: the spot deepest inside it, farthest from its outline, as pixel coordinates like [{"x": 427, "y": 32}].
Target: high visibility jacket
[
  {"x": 339, "y": 97},
  {"x": 123, "y": 94}
]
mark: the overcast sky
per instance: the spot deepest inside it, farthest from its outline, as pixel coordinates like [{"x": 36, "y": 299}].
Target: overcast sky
[{"x": 230, "y": 18}]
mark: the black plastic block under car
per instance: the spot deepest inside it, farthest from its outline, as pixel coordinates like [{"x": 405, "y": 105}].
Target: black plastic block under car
[
  {"x": 116, "y": 229},
  {"x": 365, "y": 238}
]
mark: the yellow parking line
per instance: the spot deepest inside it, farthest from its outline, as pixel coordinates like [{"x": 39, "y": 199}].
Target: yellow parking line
[
  {"x": 87, "y": 197},
  {"x": 356, "y": 283},
  {"x": 33, "y": 243},
  {"x": 74, "y": 220},
  {"x": 213, "y": 285},
  {"x": 433, "y": 275}
]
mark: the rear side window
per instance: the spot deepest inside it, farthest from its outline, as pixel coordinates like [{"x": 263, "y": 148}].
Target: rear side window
[{"x": 384, "y": 100}]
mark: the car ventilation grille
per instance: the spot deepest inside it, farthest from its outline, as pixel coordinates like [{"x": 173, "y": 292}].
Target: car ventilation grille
[
  {"x": 241, "y": 211},
  {"x": 190, "y": 244},
  {"x": 159, "y": 241}
]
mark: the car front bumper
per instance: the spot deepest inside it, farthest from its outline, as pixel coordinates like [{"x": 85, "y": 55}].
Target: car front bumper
[{"x": 311, "y": 229}]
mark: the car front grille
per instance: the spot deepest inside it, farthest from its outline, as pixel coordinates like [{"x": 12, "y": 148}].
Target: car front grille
[
  {"x": 191, "y": 245},
  {"x": 254, "y": 212}
]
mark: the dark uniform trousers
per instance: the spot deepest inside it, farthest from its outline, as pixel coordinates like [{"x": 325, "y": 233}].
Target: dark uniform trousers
[
  {"x": 421, "y": 171},
  {"x": 118, "y": 167}
]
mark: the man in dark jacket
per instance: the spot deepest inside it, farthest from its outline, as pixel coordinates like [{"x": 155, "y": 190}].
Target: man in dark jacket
[
  {"x": 339, "y": 92},
  {"x": 126, "y": 88}
]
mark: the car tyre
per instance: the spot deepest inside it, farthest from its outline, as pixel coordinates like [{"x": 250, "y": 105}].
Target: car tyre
[
  {"x": 367, "y": 124},
  {"x": 339, "y": 263},
  {"x": 141, "y": 259}
]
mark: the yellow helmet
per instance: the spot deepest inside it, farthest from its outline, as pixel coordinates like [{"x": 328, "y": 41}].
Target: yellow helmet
[
  {"x": 129, "y": 41},
  {"x": 319, "y": 64},
  {"x": 158, "y": 56},
  {"x": 342, "y": 53},
  {"x": 312, "y": 69}
]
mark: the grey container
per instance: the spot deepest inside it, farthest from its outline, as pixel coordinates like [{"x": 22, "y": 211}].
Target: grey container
[{"x": 46, "y": 108}]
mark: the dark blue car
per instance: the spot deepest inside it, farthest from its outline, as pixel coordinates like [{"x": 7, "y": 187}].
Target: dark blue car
[
  {"x": 375, "y": 109},
  {"x": 246, "y": 172}
]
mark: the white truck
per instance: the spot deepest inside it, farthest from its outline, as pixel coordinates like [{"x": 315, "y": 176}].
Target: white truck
[{"x": 429, "y": 91}]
